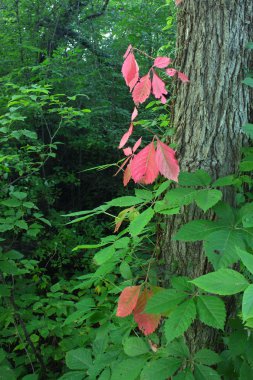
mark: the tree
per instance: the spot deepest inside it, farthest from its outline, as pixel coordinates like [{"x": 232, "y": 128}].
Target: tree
[{"x": 209, "y": 113}]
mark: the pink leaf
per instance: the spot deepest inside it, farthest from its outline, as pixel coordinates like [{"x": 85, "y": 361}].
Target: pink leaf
[
  {"x": 130, "y": 71},
  {"x": 143, "y": 166},
  {"x": 163, "y": 100},
  {"x": 127, "y": 51},
  {"x": 171, "y": 72},
  {"x": 147, "y": 323},
  {"x": 178, "y": 2},
  {"x": 126, "y": 136},
  {"x": 162, "y": 62},
  {"x": 128, "y": 300},
  {"x": 166, "y": 161},
  {"x": 137, "y": 144},
  {"x": 183, "y": 77},
  {"x": 127, "y": 151},
  {"x": 142, "y": 90},
  {"x": 127, "y": 174},
  {"x": 158, "y": 86},
  {"x": 134, "y": 114}
]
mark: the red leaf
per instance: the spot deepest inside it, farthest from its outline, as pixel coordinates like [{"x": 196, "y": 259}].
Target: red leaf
[
  {"x": 158, "y": 86},
  {"x": 127, "y": 151},
  {"x": 183, "y": 77},
  {"x": 125, "y": 137},
  {"x": 162, "y": 62},
  {"x": 142, "y": 90},
  {"x": 127, "y": 174},
  {"x": 147, "y": 323},
  {"x": 143, "y": 166},
  {"x": 128, "y": 300},
  {"x": 171, "y": 72},
  {"x": 130, "y": 71},
  {"x": 134, "y": 114},
  {"x": 178, "y": 2},
  {"x": 163, "y": 100},
  {"x": 127, "y": 51},
  {"x": 166, "y": 161},
  {"x": 137, "y": 144}
]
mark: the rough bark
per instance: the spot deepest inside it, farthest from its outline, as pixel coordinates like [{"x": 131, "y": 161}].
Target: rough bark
[{"x": 210, "y": 111}]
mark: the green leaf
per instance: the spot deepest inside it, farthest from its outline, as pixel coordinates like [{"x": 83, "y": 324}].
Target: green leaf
[
  {"x": 125, "y": 270},
  {"x": 249, "y": 45},
  {"x": 164, "y": 300},
  {"x": 247, "y": 303},
  {"x": 211, "y": 311},
  {"x": 206, "y": 356},
  {"x": 4, "y": 290},
  {"x": 128, "y": 369},
  {"x": 246, "y": 166},
  {"x": 21, "y": 224},
  {"x": 134, "y": 346},
  {"x": 126, "y": 201},
  {"x": 198, "y": 178},
  {"x": 225, "y": 181},
  {"x": 206, "y": 199},
  {"x": 104, "y": 255},
  {"x": 203, "y": 372},
  {"x": 8, "y": 267},
  {"x": 164, "y": 186},
  {"x": 196, "y": 230},
  {"x": 144, "y": 194},
  {"x": 221, "y": 247},
  {"x": 2, "y": 355},
  {"x": 19, "y": 195},
  {"x": 7, "y": 373},
  {"x": 179, "y": 197},
  {"x": 178, "y": 348},
  {"x": 78, "y": 359},
  {"x": 248, "y": 81},
  {"x": 180, "y": 320},
  {"x": 248, "y": 129},
  {"x": 184, "y": 375},
  {"x": 160, "y": 369},
  {"x": 139, "y": 223},
  {"x": 224, "y": 282},
  {"x": 12, "y": 202},
  {"x": 73, "y": 375},
  {"x": 247, "y": 259}
]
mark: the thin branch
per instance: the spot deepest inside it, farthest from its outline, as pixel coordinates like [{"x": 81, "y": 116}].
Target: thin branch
[{"x": 98, "y": 14}]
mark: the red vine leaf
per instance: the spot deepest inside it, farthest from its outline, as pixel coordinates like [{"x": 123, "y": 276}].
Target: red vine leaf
[
  {"x": 171, "y": 72},
  {"x": 178, "y": 2},
  {"x": 127, "y": 151},
  {"x": 126, "y": 136},
  {"x": 166, "y": 161},
  {"x": 158, "y": 87},
  {"x": 128, "y": 300},
  {"x": 127, "y": 175},
  {"x": 162, "y": 62},
  {"x": 147, "y": 323},
  {"x": 143, "y": 166},
  {"x": 134, "y": 114},
  {"x": 137, "y": 144},
  {"x": 142, "y": 90},
  {"x": 183, "y": 77},
  {"x": 130, "y": 71},
  {"x": 127, "y": 51}
]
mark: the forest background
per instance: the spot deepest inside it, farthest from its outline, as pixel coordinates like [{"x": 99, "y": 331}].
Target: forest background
[{"x": 64, "y": 108}]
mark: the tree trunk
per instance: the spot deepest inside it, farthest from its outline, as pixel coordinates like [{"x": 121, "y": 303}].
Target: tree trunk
[{"x": 210, "y": 110}]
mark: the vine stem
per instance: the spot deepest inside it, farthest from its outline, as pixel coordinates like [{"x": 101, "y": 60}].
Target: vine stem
[{"x": 143, "y": 52}]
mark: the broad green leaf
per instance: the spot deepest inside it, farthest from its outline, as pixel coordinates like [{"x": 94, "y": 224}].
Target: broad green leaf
[
  {"x": 206, "y": 198},
  {"x": 79, "y": 358},
  {"x": 164, "y": 300},
  {"x": 122, "y": 243},
  {"x": 247, "y": 303},
  {"x": 225, "y": 181},
  {"x": 104, "y": 255},
  {"x": 184, "y": 375},
  {"x": 221, "y": 247},
  {"x": 246, "y": 372},
  {"x": 178, "y": 348},
  {"x": 211, "y": 311},
  {"x": 128, "y": 369},
  {"x": 105, "y": 375},
  {"x": 206, "y": 356},
  {"x": 225, "y": 213},
  {"x": 248, "y": 129},
  {"x": 134, "y": 346},
  {"x": 125, "y": 270},
  {"x": 182, "y": 283},
  {"x": 196, "y": 230},
  {"x": 248, "y": 81},
  {"x": 138, "y": 224},
  {"x": 202, "y": 372},
  {"x": 125, "y": 201},
  {"x": 247, "y": 220},
  {"x": 9, "y": 267},
  {"x": 73, "y": 375},
  {"x": 198, "y": 178},
  {"x": 164, "y": 186},
  {"x": 224, "y": 282},
  {"x": 4, "y": 289},
  {"x": 249, "y": 45},
  {"x": 247, "y": 259},
  {"x": 180, "y": 320},
  {"x": 2, "y": 355},
  {"x": 163, "y": 207},
  {"x": 7, "y": 373},
  {"x": 246, "y": 166},
  {"x": 12, "y": 202},
  {"x": 19, "y": 195},
  {"x": 179, "y": 197},
  {"x": 21, "y": 224},
  {"x": 144, "y": 194},
  {"x": 160, "y": 369}
]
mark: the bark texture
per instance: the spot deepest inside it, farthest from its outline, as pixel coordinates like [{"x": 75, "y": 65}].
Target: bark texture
[{"x": 210, "y": 111}]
